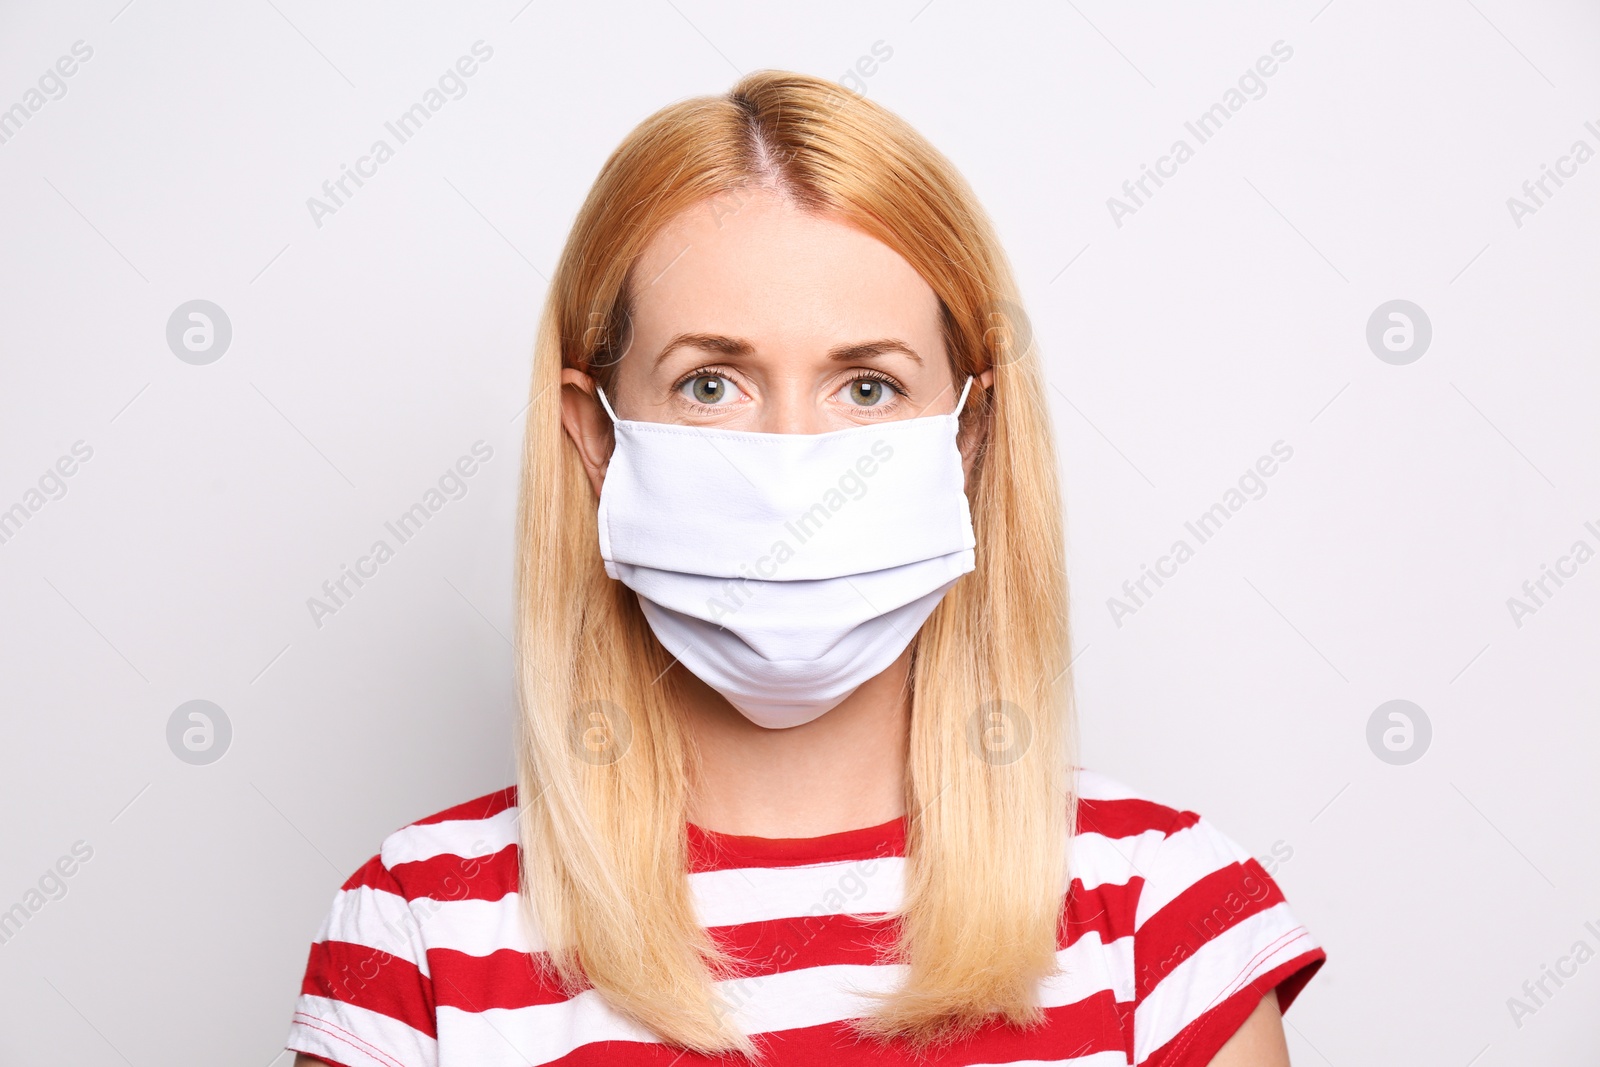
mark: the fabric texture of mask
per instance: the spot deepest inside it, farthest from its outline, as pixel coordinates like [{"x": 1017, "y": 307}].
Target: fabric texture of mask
[{"x": 784, "y": 570}]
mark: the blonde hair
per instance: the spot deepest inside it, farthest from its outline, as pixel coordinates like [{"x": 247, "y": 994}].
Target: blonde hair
[{"x": 604, "y": 764}]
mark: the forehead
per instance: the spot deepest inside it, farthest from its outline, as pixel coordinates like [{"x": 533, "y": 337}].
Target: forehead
[{"x": 754, "y": 264}]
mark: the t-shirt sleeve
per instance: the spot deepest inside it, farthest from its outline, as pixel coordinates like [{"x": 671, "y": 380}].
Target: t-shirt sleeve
[
  {"x": 367, "y": 998},
  {"x": 1212, "y": 935}
]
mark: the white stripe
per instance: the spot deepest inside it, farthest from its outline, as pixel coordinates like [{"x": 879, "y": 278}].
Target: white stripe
[
  {"x": 477, "y": 927},
  {"x": 518, "y": 1037},
  {"x": 811, "y": 996},
  {"x": 877, "y": 885},
  {"x": 376, "y": 919},
  {"x": 1089, "y": 967},
  {"x": 868, "y": 886},
  {"x": 720, "y": 898},
  {"x": 468, "y": 838},
  {"x": 348, "y": 1034},
  {"x": 1183, "y": 859},
  {"x": 1218, "y": 969},
  {"x": 1097, "y": 860},
  {"x": 480, "y": 927}
]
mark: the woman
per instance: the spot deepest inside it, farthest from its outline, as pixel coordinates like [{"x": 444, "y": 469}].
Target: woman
[{"x": 797, "y": 759}]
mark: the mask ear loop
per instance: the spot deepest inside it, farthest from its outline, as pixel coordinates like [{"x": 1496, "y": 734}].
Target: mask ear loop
[
  {"x": 606, "y": 403},
  {"x": 965, "y": 389}
]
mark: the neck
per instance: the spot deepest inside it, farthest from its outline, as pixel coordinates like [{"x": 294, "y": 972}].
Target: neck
[{"x": 841, "y": 771}]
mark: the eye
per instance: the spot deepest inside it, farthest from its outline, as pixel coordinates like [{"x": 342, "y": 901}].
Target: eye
[
  {"x": 869, "y": 392},
  {"x": 708, "y": 389}
]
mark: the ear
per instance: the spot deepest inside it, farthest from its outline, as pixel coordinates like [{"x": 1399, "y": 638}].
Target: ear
[
  {"x": 975, "y": 433},
  {"x": 587, "y": 424}
]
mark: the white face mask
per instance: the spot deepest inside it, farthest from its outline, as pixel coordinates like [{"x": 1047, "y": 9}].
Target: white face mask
[{"x": 784, "y": 570}]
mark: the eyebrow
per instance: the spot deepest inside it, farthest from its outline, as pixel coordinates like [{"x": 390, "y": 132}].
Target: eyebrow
[{"x": 737, "y": 346}]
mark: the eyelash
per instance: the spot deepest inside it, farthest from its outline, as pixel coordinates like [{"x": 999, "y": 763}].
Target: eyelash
[{"x": 700, "y": 372}]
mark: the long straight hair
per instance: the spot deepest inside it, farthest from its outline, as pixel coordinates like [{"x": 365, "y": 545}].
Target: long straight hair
[{"x": 604, "y": 762}]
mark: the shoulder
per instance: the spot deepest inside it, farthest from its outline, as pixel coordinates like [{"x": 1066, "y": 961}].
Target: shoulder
[
  {"x": 467, "y": 830},
  {"x": 1209, "y": 929},
  {"x": 466, "y": 851},
  {"x": 1120, "y": 828},
  {"x": 1174, "y": 854},
  {"x": 419, "y": 891},
  {"x": 369, "y": 980},
  {"x": 1102, "y": 794}
]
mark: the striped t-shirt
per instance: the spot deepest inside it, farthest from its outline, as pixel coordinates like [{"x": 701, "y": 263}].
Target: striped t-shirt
[{"x": 1170, "y": 936}]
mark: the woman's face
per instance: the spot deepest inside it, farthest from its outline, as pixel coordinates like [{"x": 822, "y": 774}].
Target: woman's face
[{"x": 750, "y": 314}]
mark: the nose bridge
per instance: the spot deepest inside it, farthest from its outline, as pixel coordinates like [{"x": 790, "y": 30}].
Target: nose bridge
[{"x": 790, "y": 406}]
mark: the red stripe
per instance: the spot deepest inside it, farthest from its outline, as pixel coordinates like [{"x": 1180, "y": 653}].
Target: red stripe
[
  {"x": 1130, "y": 818},
  {"x": 1125, "y": 1014},
  {"x": 452, "y": 877},
  {"x": 503, "y": 979},
  {"x": 373, "y": 979},
  {"x": 710, "y": 850},
  {"x": 1290, "y": 987},
  {"x": 773, "y": 946},
  {"x": 790, "y": 944},
  {"x": 1205, "y": 909},
  {"x": 1108, "y": 910},
  {"x": 374, "y": 875}
]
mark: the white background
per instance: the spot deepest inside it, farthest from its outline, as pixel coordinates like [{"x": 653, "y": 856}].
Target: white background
[{"x": 1227, "y": 313}]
